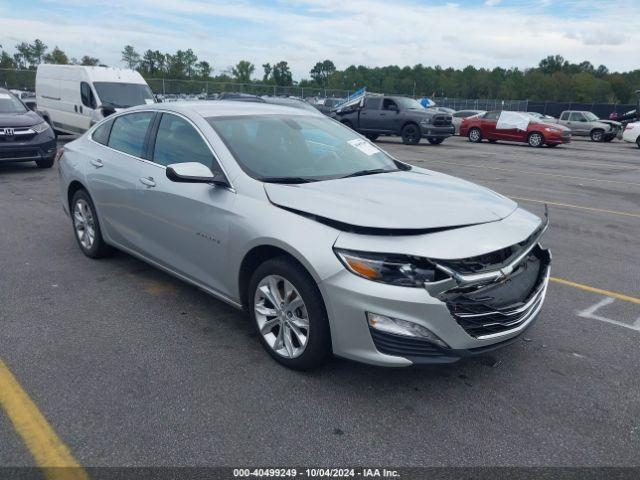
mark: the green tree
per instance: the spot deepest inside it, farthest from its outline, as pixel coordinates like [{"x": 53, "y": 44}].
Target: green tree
[
  {"x": 281, "y": 74},
  {"x": 130, "y": 57},
  {"x": 242, "y": 71},
  {"x": 321, "y": 72},
  {"x": 266, "y": 67},
  {"x": 204, "y": 69},
  {"x": 89, "y": 61},
  {"x": 56, "y": 56}
]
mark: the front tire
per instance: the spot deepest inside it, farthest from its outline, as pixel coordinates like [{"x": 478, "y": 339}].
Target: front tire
[
  {"x": 638, "y": 142},
  {"x": 87, "y": 227},
  {"x": 435, "y": 141},
  {"x": 288, "y": 313},
  {"x": 475, "y": 135},
  {"x": 411, "y": 134},
  {"x": 535, "y": 140},
  {"x": 597, "y": 135}
]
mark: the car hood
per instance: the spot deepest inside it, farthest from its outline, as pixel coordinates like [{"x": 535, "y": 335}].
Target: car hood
[
  {"x": 408, "y": 200},
  {"x": 20, "y": 119}
]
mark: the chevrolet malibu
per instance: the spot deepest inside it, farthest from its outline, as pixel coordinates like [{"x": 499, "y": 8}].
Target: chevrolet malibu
[{"x": 330, "y": 244}]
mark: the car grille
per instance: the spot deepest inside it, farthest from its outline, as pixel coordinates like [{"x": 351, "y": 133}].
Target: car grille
[
  {"x": 499, "y": 307},
  {"x": 442, "y": 120},
  {"x": 19, "y": 154},
  {"x": 391, "y": 344}
]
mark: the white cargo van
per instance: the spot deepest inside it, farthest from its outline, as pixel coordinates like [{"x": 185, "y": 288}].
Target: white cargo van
[{"x": 72, "y": 97}]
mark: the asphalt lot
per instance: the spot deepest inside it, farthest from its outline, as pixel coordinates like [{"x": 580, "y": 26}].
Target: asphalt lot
[{"x": 134, "y": 368}]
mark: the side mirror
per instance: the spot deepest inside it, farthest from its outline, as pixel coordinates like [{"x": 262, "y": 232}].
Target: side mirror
[
  {"x": 106, "y": 111},
  {"x": 193, "y": 172}
]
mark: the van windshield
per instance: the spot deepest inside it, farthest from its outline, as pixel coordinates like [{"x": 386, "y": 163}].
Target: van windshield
[
  {"x": 123, "y": 95},
  {"x": 10, "y": 104}
]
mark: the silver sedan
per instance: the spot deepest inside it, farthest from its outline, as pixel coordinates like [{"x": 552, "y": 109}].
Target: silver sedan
[{"x": 331, "y": 245}]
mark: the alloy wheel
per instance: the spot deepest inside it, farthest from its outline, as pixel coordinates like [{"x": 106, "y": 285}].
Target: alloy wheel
[
  {"x": 282, "y": 317},
  {"x": 84, "y": 224},
  {"x": 474, "y": 135},
  {"x": 535, "y": 140}
]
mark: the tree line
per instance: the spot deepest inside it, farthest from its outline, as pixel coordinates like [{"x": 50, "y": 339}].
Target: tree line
[{"x": 553, "y": 79}]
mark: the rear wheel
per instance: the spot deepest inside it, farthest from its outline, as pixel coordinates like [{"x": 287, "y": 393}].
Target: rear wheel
[
  {"x": 597, "y": 135},
  {"x": 45, "y": 163},
  {"x": 435, "y": 141},
  {"x": 411, "y": 134},
  {"x": 86, "y": 226},
  {"x": 475, "y": 135},
  {"x": 372, "y": 136},
  {"x": 289, "y": 315},
  {"x": 638, "y": 142},
  {"x": 535, "y": 139}
]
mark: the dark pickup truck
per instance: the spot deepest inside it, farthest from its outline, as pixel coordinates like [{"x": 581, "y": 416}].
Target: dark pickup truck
[{"x": 387, "y": 115}]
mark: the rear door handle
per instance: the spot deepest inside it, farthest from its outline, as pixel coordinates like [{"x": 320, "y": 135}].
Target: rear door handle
[
  {"x": 148, "y": 181},
  {"x": 97, "y": 163}
]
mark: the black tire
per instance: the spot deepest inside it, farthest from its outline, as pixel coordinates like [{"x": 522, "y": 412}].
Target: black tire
[
  {"x": 318, "y": 348},
  {"x": 435, "y": 141},
  {"x": 535, "y": 139},
  {"x": 45, "y": 162},
  {"x": 99, "y": 247},
  {"x": 475, "y": 135},
  {"x": 372, "y": 136},
  {"x": 638, "y": 142},
  {"x": 411, "y": 134},
  {"x": 597, "y": 135}
]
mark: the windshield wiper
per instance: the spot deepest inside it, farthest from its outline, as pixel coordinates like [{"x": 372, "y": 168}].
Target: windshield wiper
[
  {"x": 373, "y": 171},
  {"x": 287, "y": 180}
]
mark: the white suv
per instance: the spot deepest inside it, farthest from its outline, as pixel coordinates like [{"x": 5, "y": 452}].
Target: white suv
[{"x": 632, "y": 133}]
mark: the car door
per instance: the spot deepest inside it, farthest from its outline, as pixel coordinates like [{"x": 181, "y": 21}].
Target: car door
[
  {"x": 578, "y": 123},
  {"x": 488, "y": 125},
  {"x": 112, "y": 175},
  {"x": 371, "y": 116},
  {"x": 185, "y": 225}
]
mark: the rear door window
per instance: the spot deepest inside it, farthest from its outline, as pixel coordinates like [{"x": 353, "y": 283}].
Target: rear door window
[
  {"x": 129, "y": 131},
  {"x": 101, "y": 134}
]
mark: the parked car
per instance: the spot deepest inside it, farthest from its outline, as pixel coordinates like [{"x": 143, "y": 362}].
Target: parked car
[
  {"x": 293, "y": 103},
  {"x": 457, "y": 117},
  {"x": 24, "y": 135},
  {"x": 328, "y": 104},
  {"x": 240, "y": 97},
  {"x": 27, "y": 97},
  {"x": 524, "y": 128},
  {"x": 587, "y": 124},
  {"x": 324, "y": 239},
  {"x": 72, "y": 97},
  {"x": 389, "y": 115},
  {"x": 632, "y": 133}
]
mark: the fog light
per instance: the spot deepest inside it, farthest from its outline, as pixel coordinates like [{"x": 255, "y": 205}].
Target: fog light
[{"x": 396, "y": 326}]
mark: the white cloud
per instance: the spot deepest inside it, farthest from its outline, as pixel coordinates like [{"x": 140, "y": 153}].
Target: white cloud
[{"x": 372, "y": 33}]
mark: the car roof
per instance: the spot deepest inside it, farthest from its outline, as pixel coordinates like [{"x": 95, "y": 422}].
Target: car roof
[{"x": 222, "y": 108}]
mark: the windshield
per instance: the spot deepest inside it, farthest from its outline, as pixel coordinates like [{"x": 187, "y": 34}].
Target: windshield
[
  {"x": 123, "y": 95},
  {"x": 591, "y": 116},
  {"x": 299, "y": 148},
  {"x": 10, "y": 104},
  {"x": 408, "y": 103}
]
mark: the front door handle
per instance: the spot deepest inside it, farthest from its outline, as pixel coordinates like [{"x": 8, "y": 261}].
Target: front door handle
[
  {"x": 148, "y": 181},
  {"x": 97, "y": 163}
]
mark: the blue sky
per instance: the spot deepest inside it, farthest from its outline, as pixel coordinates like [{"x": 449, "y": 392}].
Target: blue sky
[{"x": 483, "y": 33}]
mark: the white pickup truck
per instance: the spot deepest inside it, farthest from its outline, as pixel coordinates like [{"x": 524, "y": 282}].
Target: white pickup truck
[{"x": 587, "y": 124}]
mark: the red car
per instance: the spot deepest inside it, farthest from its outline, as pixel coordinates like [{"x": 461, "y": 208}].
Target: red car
[{"x": 532, "y": 130}]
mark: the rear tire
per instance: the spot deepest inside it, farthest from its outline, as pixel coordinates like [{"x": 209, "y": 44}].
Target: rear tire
[
  {"x": 411, "y": 134},
  {"x": 535, "y": 140},
  {"x": 638, "y": 142},
  {"x": 372, "y": 136},
  {"x": 435, "y": 141},
  {"x": 45, "y": 162},
  {"x": 282, "y": 299},
  {"x": 475, "y": 135},
  {"x": 86, "y": 226},
  {"x": 597, "y": 135}
]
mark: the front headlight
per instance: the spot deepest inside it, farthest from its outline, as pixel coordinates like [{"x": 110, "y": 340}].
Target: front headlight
[
  {"x": 40, "y": 127},
  {"x": 393, "y": 269},
  {"x": 551, "y": 129},
  {"x": 425, "y": 121}
]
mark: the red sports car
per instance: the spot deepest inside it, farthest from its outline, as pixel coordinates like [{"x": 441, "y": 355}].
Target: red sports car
[{"x": 514, "y": 127}]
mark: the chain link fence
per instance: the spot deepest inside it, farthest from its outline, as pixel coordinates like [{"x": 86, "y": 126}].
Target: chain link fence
[{"x": 482, "y": 104}]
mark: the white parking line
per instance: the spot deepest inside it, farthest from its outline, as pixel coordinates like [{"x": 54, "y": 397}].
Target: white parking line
[{"x": 591, "y": 313}]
